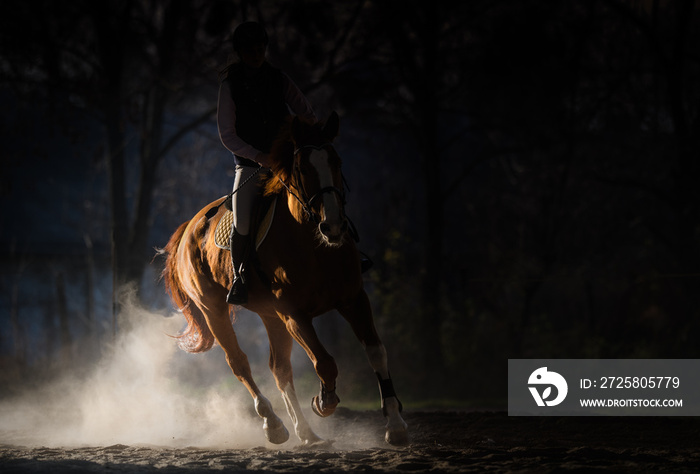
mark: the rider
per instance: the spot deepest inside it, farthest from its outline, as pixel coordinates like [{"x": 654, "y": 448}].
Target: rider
[{"x": 254, "y": 100}]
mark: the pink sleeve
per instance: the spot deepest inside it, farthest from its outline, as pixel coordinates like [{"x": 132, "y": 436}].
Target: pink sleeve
[
  {"x": 226, "y": 121},
  {"x": 297, "y": 101}
]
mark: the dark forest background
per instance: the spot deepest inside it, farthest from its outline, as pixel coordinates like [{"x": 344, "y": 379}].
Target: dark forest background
[{"x": 523, "y": 174}]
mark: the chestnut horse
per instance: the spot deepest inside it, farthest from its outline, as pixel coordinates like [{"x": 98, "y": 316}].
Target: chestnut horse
[{"x": 310, "y": 265}]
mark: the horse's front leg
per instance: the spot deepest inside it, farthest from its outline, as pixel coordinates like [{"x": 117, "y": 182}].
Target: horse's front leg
[
  {"x": 281, "y": 367},
  {"x": 325, "y": 402},
  {"x": 359, "y": 316},
  {"x": 304, "y": 333},
  {"x": 396, "y": 427}
]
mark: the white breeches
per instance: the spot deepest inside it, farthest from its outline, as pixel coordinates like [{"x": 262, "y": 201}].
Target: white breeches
[{"x": 244, "y": 199}]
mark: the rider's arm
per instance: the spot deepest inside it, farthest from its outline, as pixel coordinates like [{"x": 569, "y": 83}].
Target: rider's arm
[{"x": 297, "y": 101}]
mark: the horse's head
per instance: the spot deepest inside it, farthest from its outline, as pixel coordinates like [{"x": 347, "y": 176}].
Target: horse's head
[{"x": 318, "y": 178}]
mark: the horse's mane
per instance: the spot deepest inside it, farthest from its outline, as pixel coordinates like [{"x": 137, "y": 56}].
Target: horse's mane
[
  {"x": 282, "y": 152},
  {"x": 282, "y": 161},
  {"x": 294, "y": 133}
]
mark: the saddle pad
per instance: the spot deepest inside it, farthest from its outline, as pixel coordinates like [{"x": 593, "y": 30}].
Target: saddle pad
[{"x": 222, "y": 234}]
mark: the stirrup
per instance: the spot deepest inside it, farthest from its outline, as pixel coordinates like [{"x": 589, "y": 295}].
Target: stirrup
[{"x": 238, "y": 293}]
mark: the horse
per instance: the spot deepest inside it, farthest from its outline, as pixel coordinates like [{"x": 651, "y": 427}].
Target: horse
[{"x": 308, "y": 265}]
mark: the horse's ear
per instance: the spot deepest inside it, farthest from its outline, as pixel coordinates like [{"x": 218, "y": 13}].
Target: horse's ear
[
  {"x": 330, "y": 129},
  {"x": 296, "y": 129}
]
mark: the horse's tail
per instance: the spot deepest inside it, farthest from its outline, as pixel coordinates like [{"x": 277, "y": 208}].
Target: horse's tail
[{"x": 197, "y": 336}]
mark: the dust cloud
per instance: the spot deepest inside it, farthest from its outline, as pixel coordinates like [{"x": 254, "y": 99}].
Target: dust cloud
[
  {"x": 145, "y": 391},
  {"x": 139, "y": 392}
]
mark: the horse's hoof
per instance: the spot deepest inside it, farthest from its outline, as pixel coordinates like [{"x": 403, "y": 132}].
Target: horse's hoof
[
  {"x": 397, "y": 437},
  {"x": 309, "y": 438},
  {"x": 277, "y": 434},
  {"x": 322, "y": 411},
  {"x": 317, "y": 444}
]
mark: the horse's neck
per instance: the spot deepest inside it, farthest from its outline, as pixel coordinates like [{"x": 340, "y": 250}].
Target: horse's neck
[
  {"x": 291, "y": 235},
  {"x": 295, "y": 255}
]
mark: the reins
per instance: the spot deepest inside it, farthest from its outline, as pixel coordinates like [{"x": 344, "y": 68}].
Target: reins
[
  {"x": 306, "y": 201},
  {"x": 212, "y": 212}
]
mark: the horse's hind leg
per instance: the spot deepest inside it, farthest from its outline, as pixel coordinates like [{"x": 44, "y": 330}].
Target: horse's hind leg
[
  {"x": 281, "y": 367},
  {"x": 220, "y": 325},
  {"x": 359, "y": 315}
]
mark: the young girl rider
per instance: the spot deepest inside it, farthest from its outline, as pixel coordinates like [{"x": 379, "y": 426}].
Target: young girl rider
[{"x": 254, "y": 100}]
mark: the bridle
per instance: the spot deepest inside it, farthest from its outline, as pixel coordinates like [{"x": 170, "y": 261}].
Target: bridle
[{"x": 302, "y": 196}]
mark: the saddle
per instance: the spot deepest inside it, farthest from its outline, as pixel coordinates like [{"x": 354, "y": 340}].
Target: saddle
[{"x": 263, "y": 222}]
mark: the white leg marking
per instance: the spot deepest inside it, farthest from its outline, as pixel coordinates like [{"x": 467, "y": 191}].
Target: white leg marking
[
  {"x": 272, "y": 425},
  {"x": 396, "y": 427},
  {"x": 301, "y": 426},
  {"x": 378, "y": 360}
]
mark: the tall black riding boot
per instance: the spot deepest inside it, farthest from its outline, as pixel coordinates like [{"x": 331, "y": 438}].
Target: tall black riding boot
[{"x": 239, "y": 257}]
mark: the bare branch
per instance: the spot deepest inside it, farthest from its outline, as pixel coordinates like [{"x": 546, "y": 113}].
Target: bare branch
[
  {"x": 203, "y": 118},
  {"x": 474, "y": 165}
]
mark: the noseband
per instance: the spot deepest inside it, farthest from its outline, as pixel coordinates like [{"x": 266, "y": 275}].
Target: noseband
[{"x": 306, "y": 201}]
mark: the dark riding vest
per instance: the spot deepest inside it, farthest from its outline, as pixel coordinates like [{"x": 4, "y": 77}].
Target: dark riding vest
[{"x": 260, "y": 106}]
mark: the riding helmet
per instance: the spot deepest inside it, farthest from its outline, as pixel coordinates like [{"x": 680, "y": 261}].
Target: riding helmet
[{"x": 249, "y": 34}]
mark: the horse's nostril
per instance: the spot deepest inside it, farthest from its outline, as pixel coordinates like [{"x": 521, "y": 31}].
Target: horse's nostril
[{"x": 324, "y": 227}]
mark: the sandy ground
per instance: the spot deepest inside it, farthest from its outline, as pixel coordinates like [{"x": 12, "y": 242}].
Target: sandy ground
[
  {"x": 148, "y": 407},
  {"x": 440, "y": 442}
]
